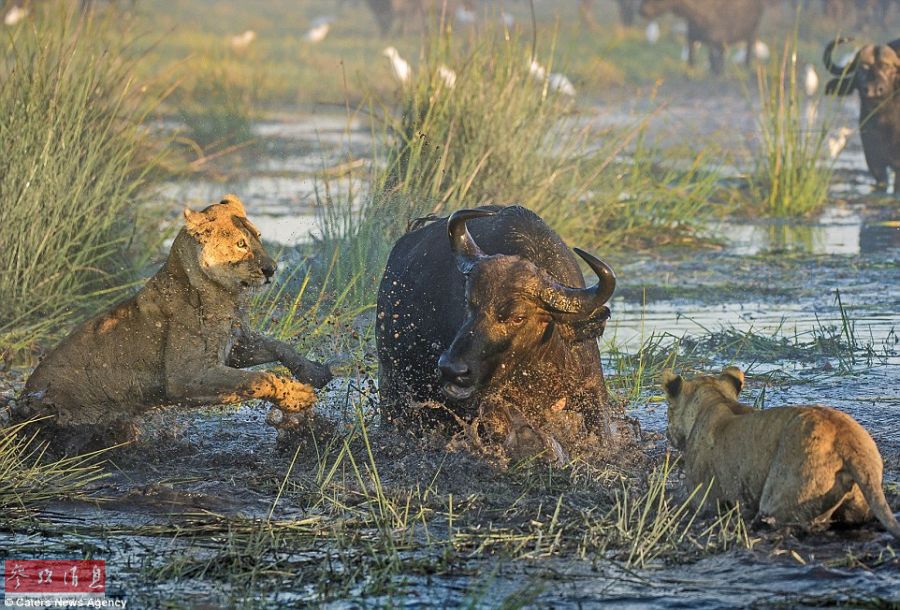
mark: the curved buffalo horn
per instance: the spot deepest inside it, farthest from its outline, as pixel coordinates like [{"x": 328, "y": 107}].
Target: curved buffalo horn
[
  {"x": 829, "y": 62},
  {"x": 462, "y": 245},
  {"x": 582, "y": 300}
]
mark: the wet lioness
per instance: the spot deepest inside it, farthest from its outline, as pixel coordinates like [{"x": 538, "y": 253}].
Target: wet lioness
[
  {"x": 182, "y": 339},
  {"x": 803, "y": 465}
]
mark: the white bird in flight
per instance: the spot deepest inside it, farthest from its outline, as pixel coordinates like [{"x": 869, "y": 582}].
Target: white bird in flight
[
  {"x": 242, "y": 41},
  {"x": 319, "y": 30},
  {"x": 15, "y": 15},
  {"x": 400, "y": 66}
]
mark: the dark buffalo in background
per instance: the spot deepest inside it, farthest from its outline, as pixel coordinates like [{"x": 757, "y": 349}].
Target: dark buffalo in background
[
  {"x": 494, "y": 327},
  {"x": 874, "y": 73},
  {"x": 715, "y": 23},
  {"x": 627, "y": 12}
]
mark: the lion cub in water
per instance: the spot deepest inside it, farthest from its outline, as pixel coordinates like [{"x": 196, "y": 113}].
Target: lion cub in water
[
  {"x": 182, "y": 339},
  {"x": 803, "y": 465}
]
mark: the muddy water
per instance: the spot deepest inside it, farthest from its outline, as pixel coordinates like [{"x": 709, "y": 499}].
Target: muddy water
[{"x": 777, "y": 279}]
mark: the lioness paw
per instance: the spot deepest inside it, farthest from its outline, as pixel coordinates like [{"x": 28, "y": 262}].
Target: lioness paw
[{"x": 293, "y": 396}]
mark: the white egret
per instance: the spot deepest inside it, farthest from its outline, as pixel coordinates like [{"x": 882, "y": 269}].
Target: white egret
[
  {"x": 319, "y": 30},
  {"x": 447, "y": 75},
  {"x": 242, "y": 41},
  {"x": 15, "y": 15},
  {"x": 810, "y": 80},
  {"x": 837, "y": 142},
  {"x": 402, "y": 70},
  {"x": 652, "y": 32}
]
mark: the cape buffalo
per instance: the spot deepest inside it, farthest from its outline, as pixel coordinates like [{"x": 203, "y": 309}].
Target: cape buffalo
[
  {"x": 714, "y": 22},
  {"x": 874, "y": 73},
  {"x": 494, "y": 328}
]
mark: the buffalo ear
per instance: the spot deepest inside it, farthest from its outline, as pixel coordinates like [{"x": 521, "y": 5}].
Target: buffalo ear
[
  {"x": 193, "y": 221},
  {"x": 672, "y": 383},
  {"x": 587, "y": 328},
  {"x": 840, "y": 86},
  {"x": 735, "y": 377}
]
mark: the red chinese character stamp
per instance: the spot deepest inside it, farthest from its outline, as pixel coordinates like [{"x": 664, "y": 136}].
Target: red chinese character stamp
[{"x": 75, "y": 577}]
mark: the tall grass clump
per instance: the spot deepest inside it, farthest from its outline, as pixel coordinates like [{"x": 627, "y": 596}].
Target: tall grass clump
[
  {"x": 794, "y": 171},
  {"x": 501, "y": 134},
  {"x": 73, "y": 173},
  {"x": 217, "y": 106}
]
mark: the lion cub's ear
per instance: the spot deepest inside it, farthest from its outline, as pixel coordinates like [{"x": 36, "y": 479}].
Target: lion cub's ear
[
  {"x": 193, "y": 221},
  {"x": 671, "y": 383},
  {"x": 735, "y": 377},
  {"x": 234, "y": 203}
]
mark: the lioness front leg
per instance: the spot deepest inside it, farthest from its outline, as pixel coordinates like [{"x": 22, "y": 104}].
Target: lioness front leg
[
  {"x": 222, "y": 384},
  {"x": 253, "y": 348}
]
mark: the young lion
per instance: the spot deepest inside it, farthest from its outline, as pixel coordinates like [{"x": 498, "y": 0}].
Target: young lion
[
  {"x": 795, "y": 465},
  {"x": 181, "y": 339}
]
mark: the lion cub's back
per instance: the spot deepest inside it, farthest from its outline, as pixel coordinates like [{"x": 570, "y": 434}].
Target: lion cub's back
[
  {"x": 112, "y": 360},
  {"x": 825, "y": 435}
]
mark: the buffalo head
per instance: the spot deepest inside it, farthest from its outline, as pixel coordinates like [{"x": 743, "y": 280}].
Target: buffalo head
[
  {"x": 874, "y": 71},
  {"x": 514, "y": 310}
]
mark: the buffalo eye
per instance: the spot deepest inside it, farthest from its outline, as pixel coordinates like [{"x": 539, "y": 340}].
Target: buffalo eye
[{"x": 516, "y": 319}]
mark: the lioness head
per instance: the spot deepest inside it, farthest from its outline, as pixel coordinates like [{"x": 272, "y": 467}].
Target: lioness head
[
  {"x": 230, "y": 253},
  {"x": 688, "y": 396}
]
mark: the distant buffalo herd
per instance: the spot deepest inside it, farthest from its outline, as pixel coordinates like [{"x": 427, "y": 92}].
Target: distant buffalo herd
[{"x": 874, "y": 71}]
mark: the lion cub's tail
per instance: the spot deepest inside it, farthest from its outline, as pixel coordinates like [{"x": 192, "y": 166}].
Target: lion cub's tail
[{"x": 870, "y": 485}]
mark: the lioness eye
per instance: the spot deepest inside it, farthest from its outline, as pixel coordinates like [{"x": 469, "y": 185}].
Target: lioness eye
[{"x": 242, "y": 244}]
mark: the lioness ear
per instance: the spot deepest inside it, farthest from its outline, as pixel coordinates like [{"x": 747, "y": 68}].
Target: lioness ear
[
  {"x": 192, "y": 221},
  {"x": 233, "y": 202},
  {"x": 735, "y": 377},
  {"x": 671, "y": 383}
]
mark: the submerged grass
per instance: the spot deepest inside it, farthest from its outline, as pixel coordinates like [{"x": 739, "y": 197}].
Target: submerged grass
[
  {"x": 27, "y": 480},
  {"x": 73, "y": 174},
  {"x": 835, "y": 345}
]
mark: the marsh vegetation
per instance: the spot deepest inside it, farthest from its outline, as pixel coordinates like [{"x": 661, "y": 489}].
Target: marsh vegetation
[{"x": 707, "y": 196}]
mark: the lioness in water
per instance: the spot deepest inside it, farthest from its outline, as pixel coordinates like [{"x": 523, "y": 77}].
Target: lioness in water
[
  {"x": 803, "y": 465},
  {"x": 181, "y": 339}
]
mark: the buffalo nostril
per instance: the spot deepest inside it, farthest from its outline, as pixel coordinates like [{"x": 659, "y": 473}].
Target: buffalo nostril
[{"x": 452, "y": 368}]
